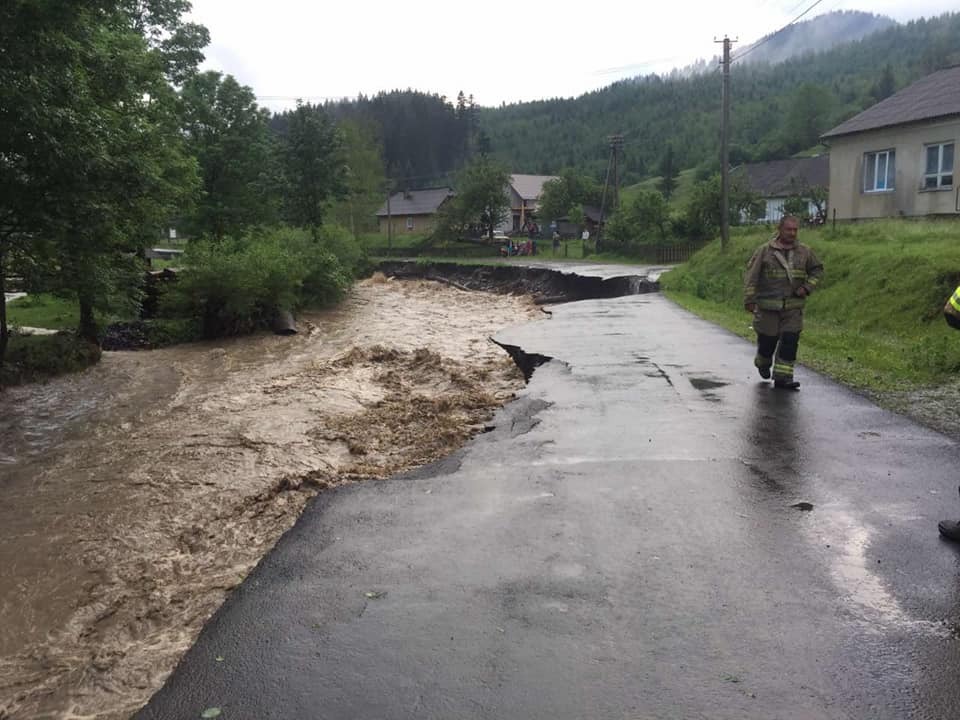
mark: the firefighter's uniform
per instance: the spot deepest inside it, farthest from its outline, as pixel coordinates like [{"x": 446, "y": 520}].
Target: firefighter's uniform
[
  {"x": 950, "y": 529},
  {"x": 775, "y": 274}
]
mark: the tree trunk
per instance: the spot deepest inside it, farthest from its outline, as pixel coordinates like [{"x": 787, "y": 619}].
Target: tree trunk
[
  {"x": 4, "y": 330},
  {"x": 88, "y": 325}
]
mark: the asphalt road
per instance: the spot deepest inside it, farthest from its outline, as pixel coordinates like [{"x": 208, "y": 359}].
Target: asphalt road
[{"x": 625, "y": 543}]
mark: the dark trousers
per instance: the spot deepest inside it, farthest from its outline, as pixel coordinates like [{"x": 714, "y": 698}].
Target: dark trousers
[{"x": 784, "y": 346}]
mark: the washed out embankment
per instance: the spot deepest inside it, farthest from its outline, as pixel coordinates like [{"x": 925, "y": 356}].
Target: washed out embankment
[
  {"x": 544, "y": 285},
  {"x": 127, "y": 527}
]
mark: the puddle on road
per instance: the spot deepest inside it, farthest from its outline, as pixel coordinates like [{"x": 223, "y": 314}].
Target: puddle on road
[
  {"x": 703, "y": 383},
  {"x": 137, "y": 494}
]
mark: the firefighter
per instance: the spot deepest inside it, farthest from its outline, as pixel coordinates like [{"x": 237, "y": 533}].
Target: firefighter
[
  {"x": 950, "y": 529},
  {"x": 780, "y": 276}
]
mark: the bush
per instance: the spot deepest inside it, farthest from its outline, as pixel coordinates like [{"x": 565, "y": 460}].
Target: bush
[
  {"x": 35, "y": 357},
  {"x": 237, "y": 285}
]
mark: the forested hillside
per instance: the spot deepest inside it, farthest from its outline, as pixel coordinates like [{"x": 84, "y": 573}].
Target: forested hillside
[
  {"x": 817, "y": 35},
  {"x": 777, "y": 110}
]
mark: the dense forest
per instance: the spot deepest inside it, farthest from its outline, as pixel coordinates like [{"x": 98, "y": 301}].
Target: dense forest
[{"x": 778, "y": 109}]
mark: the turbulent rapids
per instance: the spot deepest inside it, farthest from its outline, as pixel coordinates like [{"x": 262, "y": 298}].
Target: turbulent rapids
[{"x": 136, "y": 495}]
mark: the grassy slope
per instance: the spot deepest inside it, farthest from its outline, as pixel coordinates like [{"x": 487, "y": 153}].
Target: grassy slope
[
  {"x": 875, "y": 323},
  {"x": 678, "y": 199},
  {"x": 44, "y": 311}
]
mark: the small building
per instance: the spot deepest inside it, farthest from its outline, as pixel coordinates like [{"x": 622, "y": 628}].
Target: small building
[
  {"x": 777, "y": 180},
  {"x": 897, "y": 157},
  {"x": 524, "y": 192},
  {"x": 412, "y": 211}
]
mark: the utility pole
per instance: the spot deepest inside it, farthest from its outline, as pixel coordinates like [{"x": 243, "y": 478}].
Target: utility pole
[
  {"x": 389, "y": 216},
  {"x": 616, "y": 144},
  {"x": 725, "y": 148}
]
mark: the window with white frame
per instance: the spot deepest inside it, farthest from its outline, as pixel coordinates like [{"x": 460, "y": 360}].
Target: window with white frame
[
  {"x": 409, "y": 223},
  {"x": 879, "y": 169},
  {"x": 938, "y": 172}
]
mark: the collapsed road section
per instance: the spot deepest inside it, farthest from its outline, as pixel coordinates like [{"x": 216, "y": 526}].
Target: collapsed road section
[{"x": 543, "y": 284}]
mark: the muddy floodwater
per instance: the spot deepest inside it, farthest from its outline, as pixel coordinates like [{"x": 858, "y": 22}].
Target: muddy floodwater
[{"x": 135, "y": 496}]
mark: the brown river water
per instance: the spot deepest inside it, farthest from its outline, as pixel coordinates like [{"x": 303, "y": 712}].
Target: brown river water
[{"x": 136, "y": 495}]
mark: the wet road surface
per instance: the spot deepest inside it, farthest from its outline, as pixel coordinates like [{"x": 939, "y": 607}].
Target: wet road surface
[{"x": 649, "y": 532}]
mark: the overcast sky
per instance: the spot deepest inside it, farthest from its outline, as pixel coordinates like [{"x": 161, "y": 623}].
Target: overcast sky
[{"x": 498, "y": 50}]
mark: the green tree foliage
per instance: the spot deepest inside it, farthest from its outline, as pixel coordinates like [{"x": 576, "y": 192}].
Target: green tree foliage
[
  {"x": 481, "y": 202},
  {"x": 570, "y": 190},
  {"x": 314, "y": 165},
  {"x": 700, "y": 219},
  {"x": 237, "y": 285},
  {"x": 644, "y": 220},
  {"x": 809, "y": 116},
  {"x": 802, "y": 196},
  {"x": 365, "y": 178},
  {"x": 230, "y": 138},
  {"x": 885, "y": 85},
  {"x": 425, "y": 138},
  {"x": 91, "y": 158},
  {"x": 683, "y": 110},
  {"x": 669, "y": 172}
]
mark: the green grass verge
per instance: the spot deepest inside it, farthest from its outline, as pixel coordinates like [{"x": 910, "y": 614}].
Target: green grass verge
[
  {"x": 43, "y": 311},
  {"x": 874, "y": 324}
]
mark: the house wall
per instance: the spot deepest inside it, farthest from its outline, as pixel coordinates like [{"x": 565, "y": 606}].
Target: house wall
[
  {"x": 774, "y": 210},
  {"x": 422, "y": 224},
  {"x": 908, "y": 198}
]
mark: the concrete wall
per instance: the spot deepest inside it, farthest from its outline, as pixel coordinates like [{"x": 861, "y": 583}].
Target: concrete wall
[{"x": 908, "y": 198}]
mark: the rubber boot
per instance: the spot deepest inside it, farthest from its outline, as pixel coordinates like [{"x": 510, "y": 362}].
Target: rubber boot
[
  {"x": 786, "y": 384},
  {"x": 950, "y": 529}
]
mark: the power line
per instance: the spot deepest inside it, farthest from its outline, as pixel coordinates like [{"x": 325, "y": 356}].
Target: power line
[{"x": 769, "y": 37}]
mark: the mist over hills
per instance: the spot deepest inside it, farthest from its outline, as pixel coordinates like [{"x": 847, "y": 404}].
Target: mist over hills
[{"x": 811, "y": 36}]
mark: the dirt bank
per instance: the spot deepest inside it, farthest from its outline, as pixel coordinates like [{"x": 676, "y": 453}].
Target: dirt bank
[{"x": 128, "y": 518}]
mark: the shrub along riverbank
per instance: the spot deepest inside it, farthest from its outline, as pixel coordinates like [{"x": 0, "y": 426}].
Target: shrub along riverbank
[
  {"x": 226, "y": 287},
  {"x": 874, "y": 324}
]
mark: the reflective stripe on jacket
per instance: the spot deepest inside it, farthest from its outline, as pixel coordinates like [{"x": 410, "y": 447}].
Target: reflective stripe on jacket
[
  {"x": 953, "y": 304},
  {"x": 954, "y": 301},
  {"x": 774, "y": 274}
]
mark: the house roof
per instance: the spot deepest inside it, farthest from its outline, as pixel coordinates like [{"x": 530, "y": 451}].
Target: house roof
[
  {"x": 774, "y": 178},
  {"x": 530, "y": 187},
  {"x": 416, "y": 202},
  {"x": 934, "y": 96}
]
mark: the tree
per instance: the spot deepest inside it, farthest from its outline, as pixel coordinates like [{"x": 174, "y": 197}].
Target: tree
[
  {"x": 885, "y": 85},
  {"x": 808, "y": 117},
  {"x": 365, "y": 176},
  {"x": 646, "y": 215},
  {"x": 481, "y": 200},
  {"x": 91, "y": 158},
  {"x": 701, "y": 216},
  {"x": 571, "y": 189},
  {"x": 668, "y": 173},
  {"x": 314, "y": 164},
  {"x": 802, "y": 196},
  {"x": 229, "y": 136}
]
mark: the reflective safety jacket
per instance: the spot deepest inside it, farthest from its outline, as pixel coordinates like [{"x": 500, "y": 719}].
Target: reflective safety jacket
[
  {"x": 775, "y": 273},
  {"x": 951, "y": 311}
]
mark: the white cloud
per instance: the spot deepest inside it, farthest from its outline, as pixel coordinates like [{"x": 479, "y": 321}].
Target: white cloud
[{"x": 498, "y": 51}]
